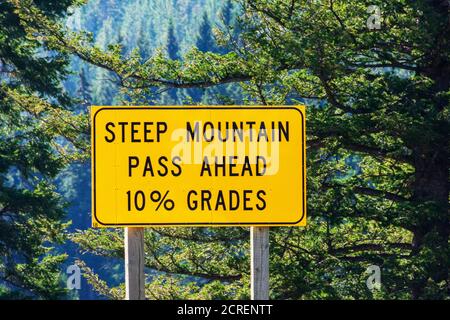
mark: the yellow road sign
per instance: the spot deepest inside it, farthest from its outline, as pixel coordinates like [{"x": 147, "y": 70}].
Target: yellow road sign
[{"x": 198, "y": 166}]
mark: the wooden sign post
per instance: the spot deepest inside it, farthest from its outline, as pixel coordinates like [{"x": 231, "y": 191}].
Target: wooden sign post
[
  {"x": 134, "y": 264},
  {"x": 259, "y": 243}
]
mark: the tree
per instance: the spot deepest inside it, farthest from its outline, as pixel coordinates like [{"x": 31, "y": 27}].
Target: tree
[
  {"x": 227, "y": 13},
  {"x": 84, "y": 90},
  {"x": 205, "y": 41},
  {"x": 144, "y": 46},
  {"x": 378, "y": 148},
  {"x": 173, "y": 53},
  {"x": 172, "y": 43},
  {"x": 32, "y": 104}
]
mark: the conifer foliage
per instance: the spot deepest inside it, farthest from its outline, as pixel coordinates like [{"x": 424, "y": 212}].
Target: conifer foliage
[{"x": 33, "y": 107}]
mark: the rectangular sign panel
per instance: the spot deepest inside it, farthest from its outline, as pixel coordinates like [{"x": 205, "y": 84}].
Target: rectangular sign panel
[{"x": 198, "y": 166}]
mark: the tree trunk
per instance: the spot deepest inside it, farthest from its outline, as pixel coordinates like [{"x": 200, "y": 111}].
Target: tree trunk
[
  {"x": 432, "y": 226},
  {"x": 431, "y": 190}
]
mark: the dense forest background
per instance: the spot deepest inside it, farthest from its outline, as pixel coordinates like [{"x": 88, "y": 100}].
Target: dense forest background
[{"x": 373, "y": 74}]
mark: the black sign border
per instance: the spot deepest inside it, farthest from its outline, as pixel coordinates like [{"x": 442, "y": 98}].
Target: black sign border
[{"x": 94, "y": 211}]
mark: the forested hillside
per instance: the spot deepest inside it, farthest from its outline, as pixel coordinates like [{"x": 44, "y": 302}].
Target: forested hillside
[
  {"x": 146, "y": 26},
  {"x": 377, "y": 104}
]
